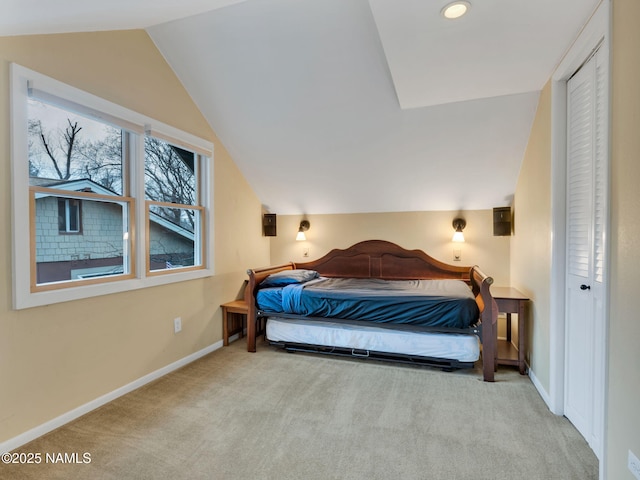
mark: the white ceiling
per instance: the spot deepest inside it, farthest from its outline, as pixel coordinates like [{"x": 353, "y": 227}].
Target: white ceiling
[
  {"x": 345, "y": 106},
  {"x": 20, "y": 17}
]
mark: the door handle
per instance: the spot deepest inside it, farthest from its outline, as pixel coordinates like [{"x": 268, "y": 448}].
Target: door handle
[{"x": 585, "y": 287}]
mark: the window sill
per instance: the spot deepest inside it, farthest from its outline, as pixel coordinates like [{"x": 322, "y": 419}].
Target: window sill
[{"x": 38, "y": 299}]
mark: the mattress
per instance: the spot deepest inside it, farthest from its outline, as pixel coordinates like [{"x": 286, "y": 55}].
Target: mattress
[
  {"x": 454, "y": 346},
  {"x": 429, "y": 303}
]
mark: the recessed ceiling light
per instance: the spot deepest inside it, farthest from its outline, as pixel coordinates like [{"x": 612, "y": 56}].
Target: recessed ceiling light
[{"x": 455, "y": 10}]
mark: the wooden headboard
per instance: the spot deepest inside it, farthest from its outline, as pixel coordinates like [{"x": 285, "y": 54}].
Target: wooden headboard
[
  {"x": 384, "y": 260},
  {"x": 368, "y": 259}
]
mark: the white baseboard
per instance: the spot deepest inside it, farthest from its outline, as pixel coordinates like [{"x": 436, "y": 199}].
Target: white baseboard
[
  {"x": 65, "y": 418},
  {"x": 543, "y": 393}
]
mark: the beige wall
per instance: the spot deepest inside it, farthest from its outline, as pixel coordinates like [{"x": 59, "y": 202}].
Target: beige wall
[
  {"x": 531, "y": 243},
  {"x": 427, "y": 231},
  {"x": 56, "y": 358},
  {"x": 623, "y": 416}
]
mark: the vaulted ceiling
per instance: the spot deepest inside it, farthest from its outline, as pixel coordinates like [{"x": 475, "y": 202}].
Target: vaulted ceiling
[{"x": 346, "y": 106}]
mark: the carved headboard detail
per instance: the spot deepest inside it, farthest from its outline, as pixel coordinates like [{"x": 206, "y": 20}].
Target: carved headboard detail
[{"x": 385, "y": 260}]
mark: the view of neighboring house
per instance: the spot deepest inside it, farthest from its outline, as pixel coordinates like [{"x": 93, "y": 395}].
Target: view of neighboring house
[{"x": 79, "y": 239}]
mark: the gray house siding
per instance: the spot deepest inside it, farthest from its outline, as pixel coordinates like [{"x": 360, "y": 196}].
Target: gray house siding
[{"x": 98, "y": 247}]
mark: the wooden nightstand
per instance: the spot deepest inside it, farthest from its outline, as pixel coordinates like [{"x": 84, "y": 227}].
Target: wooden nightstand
[
  {"x": 510, "y": 301},
  {"x": 229, "y": 311}
]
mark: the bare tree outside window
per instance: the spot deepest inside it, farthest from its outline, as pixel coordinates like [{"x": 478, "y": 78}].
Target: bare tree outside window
[
  {"x": 170, "y": 189},
  {"x": 64, "y": 146},
  {"x": 170, "y": 177}
]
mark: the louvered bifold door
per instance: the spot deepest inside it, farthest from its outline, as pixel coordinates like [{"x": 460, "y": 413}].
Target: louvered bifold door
[{"x": 587, "y": 194}]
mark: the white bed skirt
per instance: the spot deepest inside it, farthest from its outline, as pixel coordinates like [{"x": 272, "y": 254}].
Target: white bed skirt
[{"x": 453, "y": 346}]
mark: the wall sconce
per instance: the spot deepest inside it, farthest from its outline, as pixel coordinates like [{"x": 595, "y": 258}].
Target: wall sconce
[
  {"x": 304, "y": 226},
  {"x": 458, "y": 237},
  {"x": 458, "y": 226}
]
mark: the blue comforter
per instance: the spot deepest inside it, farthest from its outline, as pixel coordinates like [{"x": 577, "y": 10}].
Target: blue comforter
[{"x": 432, "y": 303}]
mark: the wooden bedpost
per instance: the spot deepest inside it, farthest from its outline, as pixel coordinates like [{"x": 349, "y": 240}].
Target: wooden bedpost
[
  {"x": 249, "y": 297},
  {"x": 256, "y": 276},
  {"x": 489, "y": 314}
]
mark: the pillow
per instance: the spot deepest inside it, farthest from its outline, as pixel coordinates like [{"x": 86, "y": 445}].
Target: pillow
[{"x": 288, "y": 277}]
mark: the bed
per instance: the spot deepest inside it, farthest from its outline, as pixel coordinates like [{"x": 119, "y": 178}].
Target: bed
[{"x": 376, "y": 299}]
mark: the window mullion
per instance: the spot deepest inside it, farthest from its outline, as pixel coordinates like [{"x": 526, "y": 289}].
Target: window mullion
[{"x": 136, "y": 171}]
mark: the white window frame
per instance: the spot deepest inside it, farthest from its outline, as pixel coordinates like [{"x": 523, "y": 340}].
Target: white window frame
[{"x": 22, "y": 80}]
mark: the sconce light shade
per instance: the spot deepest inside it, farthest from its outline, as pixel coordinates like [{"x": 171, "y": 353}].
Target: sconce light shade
[
  {"x": 458, "y": 226},
  {"x": 304, "y": 226}
]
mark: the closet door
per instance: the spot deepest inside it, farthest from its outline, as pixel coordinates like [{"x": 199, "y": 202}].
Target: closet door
[{"x": 587, "y": 219}]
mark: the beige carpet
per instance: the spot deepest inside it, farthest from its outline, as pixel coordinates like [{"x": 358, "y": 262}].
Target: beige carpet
[{"x": 274, "y": 415}]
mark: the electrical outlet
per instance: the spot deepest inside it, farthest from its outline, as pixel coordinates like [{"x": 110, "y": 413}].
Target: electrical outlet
[
  {"x": 634, "y": 465},
  {"x": 177, "y": 325},
  {"x": 305, "y": 252},
  {"x": 457, "y": 254}
]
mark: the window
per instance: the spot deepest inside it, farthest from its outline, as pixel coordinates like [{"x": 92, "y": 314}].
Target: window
[
  {"x": 73, "y": 152},
  {"x": 68, "y": 215},
  {"x": 174, "y": 215},
  {"x": 104, "y": 199}
]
